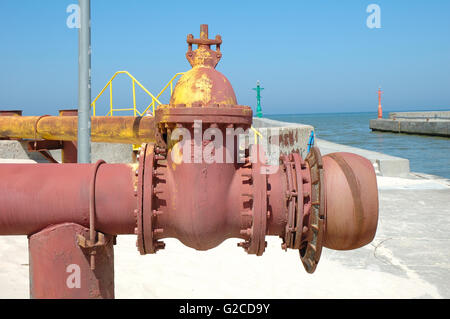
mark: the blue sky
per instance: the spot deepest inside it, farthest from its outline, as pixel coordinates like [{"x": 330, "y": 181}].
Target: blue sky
[{"x": 310, "y": 56}]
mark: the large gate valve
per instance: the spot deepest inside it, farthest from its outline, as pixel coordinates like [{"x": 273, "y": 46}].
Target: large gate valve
[{"x": 329, "y": 201}]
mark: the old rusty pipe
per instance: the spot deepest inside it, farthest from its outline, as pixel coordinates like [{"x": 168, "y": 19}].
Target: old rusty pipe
[
  {"x": 107, "y": 129},
  {"x": 34, "y": 196}
]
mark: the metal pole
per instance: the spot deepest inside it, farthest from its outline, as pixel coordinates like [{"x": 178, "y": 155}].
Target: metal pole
[{"x": 84, "y": 83}]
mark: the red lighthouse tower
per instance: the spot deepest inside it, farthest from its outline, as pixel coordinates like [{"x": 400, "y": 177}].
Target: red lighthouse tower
[{"x": 380, "y": 110}]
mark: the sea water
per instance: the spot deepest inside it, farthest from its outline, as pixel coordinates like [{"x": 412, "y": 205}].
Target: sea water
[{"x": 426, "y": 154}]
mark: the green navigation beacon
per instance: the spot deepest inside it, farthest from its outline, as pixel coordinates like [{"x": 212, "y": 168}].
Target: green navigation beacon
[{"x": 258, "y": 99}]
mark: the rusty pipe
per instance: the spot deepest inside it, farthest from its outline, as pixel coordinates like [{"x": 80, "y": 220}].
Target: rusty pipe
[
  {"x": 34, "y": 196},
  {"x": 107, "y": 129},
  {"x": 155, "y": 199}
]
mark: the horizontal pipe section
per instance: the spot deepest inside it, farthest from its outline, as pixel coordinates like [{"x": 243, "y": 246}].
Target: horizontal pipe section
[
  {"x": 106, "y": 129},
  {"x": 34, "y": 196}
]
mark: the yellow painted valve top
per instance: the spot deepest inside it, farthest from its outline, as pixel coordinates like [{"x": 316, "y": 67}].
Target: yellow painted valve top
[{"x": 203, "y": 85}]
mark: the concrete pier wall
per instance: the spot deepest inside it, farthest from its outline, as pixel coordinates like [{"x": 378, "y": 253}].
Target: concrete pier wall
[
  {"x": 111, "y": 153},
  {"x": 436, "y": 115},
  {"x": 294, "y": 137},
  {"x": 424, "y": 123},
  {"x": 385, "y": 165}
]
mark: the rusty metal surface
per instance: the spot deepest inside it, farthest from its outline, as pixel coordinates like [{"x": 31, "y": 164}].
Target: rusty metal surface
[
  {"x": 117, "y": 129},
  {"x": 190, "y": 204},
  {"x": 212, "y": 58},
  {"x": 352, "y": 201},
  {"x": 305, "y": 202},
  {"x": 56, "y": 258},
  {"x": 33, "y": 196},
  {"x": 139, "y": 190},
  {"x": 69, "y": 151},
  {"x": 11, "y": 113},
  {"x": 37, "y": 146},
  {"x": 43, "y": 147},
  {"x": 257, "y": 242},
  {"x": 303, "y": 179},
  {"x": 147, "y": 214},
  {"x": 203, "y": 85},
  {"x": 220, "y": 114},
  {"x": 315, "y": 221}
]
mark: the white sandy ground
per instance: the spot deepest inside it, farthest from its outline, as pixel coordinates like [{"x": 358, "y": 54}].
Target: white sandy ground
[
  {"x": 377, "y": 270},
  {"x": 391, "y": 183}
]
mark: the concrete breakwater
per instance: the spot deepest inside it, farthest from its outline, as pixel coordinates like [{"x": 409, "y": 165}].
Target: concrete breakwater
[
  {"x": 435, "y": 123},
  {"x": 294, "y": 137}
]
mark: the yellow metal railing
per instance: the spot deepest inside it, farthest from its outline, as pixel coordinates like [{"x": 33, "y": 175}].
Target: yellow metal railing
[
  {"x": 151, "y": 105},
  {"x": 170, "y": 83},
  {"x": 136, "y": 112},
  {"x": 134, "y": 108}
]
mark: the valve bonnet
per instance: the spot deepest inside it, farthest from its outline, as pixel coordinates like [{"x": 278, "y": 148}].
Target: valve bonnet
[{"x": 203, "y": 85}]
